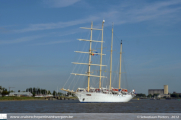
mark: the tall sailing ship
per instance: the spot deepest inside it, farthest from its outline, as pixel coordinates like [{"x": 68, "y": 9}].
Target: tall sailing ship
[{"x": 100, "y": 94}]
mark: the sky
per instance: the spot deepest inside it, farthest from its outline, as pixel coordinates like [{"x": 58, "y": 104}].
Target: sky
[{"x": 38, "y": 40}]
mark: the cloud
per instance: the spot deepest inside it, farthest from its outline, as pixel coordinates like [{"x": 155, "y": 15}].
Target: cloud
[
  {"x": 59, "y": 3},
  {"x": 31, "y": 38},
  {"x": 120, "y": 14},
  {"x": 64, "y": 33},
  {"x": 54, "y": 42},
  {"x": 30, "y": 66},
  {"x": 46, "y": 26},
  {"x": 19, "y": 40},
  {"x": 146, "y": 12},
  {"x": 3, "y": 30}
]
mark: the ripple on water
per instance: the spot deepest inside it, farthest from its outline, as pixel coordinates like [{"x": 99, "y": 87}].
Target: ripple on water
[{"x": 73, "y": 106}]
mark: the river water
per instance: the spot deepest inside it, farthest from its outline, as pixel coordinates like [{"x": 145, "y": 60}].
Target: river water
[{"x": 73, "y": 106}]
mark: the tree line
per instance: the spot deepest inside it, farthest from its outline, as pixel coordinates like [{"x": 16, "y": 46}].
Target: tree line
[
  {"x": 174, "y": 95},
  {"x": 38, "y": 90},
  {"x": 33, "y": 90},
  {"x": 3, "y": 91},
  {"x": 42, "y": 91}
]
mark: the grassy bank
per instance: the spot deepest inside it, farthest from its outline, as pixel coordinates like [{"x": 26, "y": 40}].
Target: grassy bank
[
  {"x": 19, "y": 98},
  {"x": 9, "y": 98}
]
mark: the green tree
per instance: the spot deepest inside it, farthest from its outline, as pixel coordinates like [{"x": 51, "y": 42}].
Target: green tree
[
  {"x": 54, "y": 93},
  {"x": 33, "y": 94},
  {"x": 59, "y": 93},
  {"x": 1, "y": 89},
  {"x": 42, "y": 91},
  {"x": 27, "y": 90},
  {"x": 140, "y": 95},
  {"x": 69, "y": 93},
  {"x": 11, "y": 91},
  {"x": 30, "y": 90},
  {"x": 175, "y": 95},
  {"x": 155, "y": 95},
  {"x": 49, "y": 92},
  {"x": 150, "y": 95},
  {"x": 4, "y": 89},
  {"x": 5, "y": 93},
  {"x": 38, "y": 90},
  {"x": 34, "y": 90}
]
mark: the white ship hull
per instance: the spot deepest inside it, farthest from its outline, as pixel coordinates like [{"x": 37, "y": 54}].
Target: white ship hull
[{"x": 101, "y": 97}]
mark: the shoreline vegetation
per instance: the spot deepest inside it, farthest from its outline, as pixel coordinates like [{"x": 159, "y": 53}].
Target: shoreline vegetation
[
  {"x": 14, "y": 98},
  {"x": 171, "y": 98},
  {"x": 9, "y": 98}
]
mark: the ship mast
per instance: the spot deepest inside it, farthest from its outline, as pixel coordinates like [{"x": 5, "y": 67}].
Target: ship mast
[
  {"x": 120, "y": 66},
  {"x": 111, "y": 59},
  {"x": 90, "y": 51},
  {"x": 101, "y": 54}
]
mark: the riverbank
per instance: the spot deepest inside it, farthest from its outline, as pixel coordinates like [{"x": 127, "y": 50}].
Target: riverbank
[{"x": 14, "y": 98}]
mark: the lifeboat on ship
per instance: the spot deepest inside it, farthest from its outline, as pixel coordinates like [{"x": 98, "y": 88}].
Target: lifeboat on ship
[
  {"x": 97, "y": 90},
  {"x": 124, "y": 90},
  {"x": 115, "y": 90}
]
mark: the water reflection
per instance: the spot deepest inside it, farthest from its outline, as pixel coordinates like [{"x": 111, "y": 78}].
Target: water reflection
[{"x": 73, "y": 106}]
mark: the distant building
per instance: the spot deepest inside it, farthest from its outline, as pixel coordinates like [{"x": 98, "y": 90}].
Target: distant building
[
  {"x": 165, "y": 89},
  {"x": 28, "y": 94},
  {"x": 161, "y": 92},
  {"x": 155, "y": 91}
]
